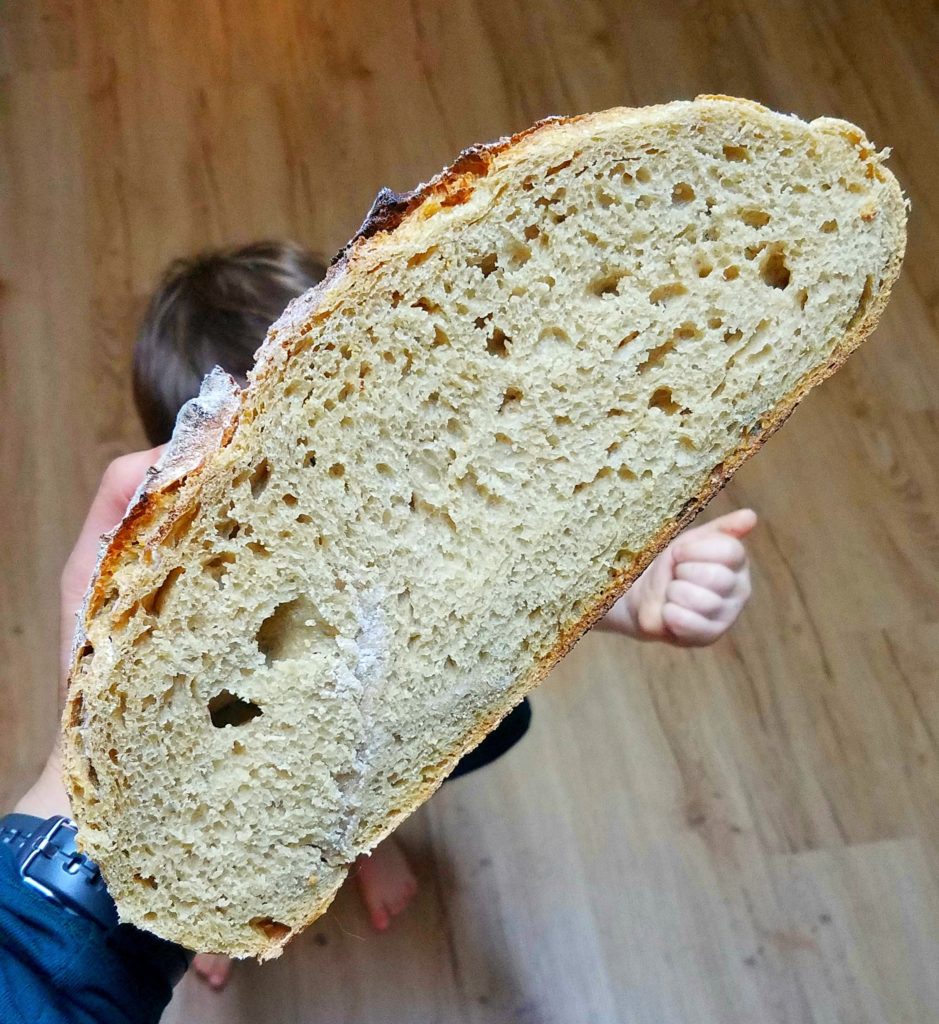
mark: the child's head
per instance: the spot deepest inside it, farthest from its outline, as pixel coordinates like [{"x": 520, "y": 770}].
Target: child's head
[{"x": 213, "y": 310}]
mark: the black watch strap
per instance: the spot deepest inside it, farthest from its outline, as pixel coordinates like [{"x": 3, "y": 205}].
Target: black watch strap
[{"x": 49, "y": 861}]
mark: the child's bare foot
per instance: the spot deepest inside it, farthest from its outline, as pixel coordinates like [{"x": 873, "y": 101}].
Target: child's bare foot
[
  {"x": 213, "y": 968},
  {"x": 386, "y": 883}
]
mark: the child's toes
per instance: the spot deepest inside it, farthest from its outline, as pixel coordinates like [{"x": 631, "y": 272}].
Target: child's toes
[
  {"x": 386, "y": 883},
  {"x": 213, "y": 968},
  {"x": 379, "y": 917}
]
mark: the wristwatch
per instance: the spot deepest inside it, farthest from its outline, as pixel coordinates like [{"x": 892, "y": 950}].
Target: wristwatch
[{"x": 49, "y": 861}]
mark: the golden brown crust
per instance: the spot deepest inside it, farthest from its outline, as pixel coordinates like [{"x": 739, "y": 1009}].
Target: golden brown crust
[{"x": 389, "y": 212}]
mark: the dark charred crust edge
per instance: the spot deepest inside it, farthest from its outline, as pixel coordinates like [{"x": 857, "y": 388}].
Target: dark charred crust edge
[{"x": 452, "y": 185}]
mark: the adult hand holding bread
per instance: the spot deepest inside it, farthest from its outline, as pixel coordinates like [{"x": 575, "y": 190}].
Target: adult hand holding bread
[{"x": 123, "y": 476}]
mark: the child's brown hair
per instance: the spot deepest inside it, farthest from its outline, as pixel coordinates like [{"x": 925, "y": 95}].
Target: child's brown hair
[{"x": 212, "y": 310}]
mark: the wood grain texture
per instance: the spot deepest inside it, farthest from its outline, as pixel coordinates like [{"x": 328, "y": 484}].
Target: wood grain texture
[{"x": 746, "y": 833}]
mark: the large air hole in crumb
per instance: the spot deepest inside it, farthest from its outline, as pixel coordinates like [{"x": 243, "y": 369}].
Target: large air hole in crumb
[
  {"x": 419, "y": 257},
  {"x": 601, "y": 474},
  {"x": 289, "y": 629},
  {"x": 664, "y": 293},
  {"x": 218, "y": 566},
  {"x": 551, "y": 337},
  {"x": 829, "y": 227},
  {"x": 755, "y": 218},
  {"x": 180, "y": 526},
  {"x": 607, "y": 283},
  {"x": 260, "y": 478},
  {"x": 519, "y": 254},
  {"x": 558, "y": 167},
  {"x": 156, "y": 599},
  {"x": 497, "y": 344},
  {"x": 227, "y": 528},
  {"x": 703, "y": 266},
  {"x": 227, "y": 708},
  {"x": 487, "y": 263},
  {"x": 732, "y": 272},
  {"x": 774, "y": 270},
  {"x": 656, "y": 356},
  {"x": 510, "y": 397},
  {"x": 735, "y": 154},
  {"x": 624, "y": 556},
  {"x": 864, "y": 300},
  {"x": 270, "y": 928},
  {"x": 765, "y": 351},
  {"x": 682, "y": 193},
  {"x": 687, "y": 331},
  {"x": 624, "y": 341},
  {"x": 643, "y": 175},
  {"x": 662, "y": 399},
  {"x": 440, "y": 337},
  {"x": 337, "y": 469}
]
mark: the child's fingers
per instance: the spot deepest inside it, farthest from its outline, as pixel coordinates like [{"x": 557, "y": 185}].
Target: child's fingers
[
  {"x": 734, "y": 524},
  {"x": 711, "y": 547},
  {"x": 689, "y": 627},
  {"x": 711, "y": 575},
  {"x": 694, "y": 598}
]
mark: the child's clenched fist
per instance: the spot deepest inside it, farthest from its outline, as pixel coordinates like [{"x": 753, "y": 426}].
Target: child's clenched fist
[{"x": 694, "y": 590}]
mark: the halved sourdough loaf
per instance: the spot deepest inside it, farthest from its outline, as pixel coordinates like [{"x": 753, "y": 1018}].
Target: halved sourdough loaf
[{"x": 514, "y": 386}]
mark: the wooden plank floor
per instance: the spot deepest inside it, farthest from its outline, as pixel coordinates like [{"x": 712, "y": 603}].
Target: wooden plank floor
[{"x": 743, "y": 834}]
